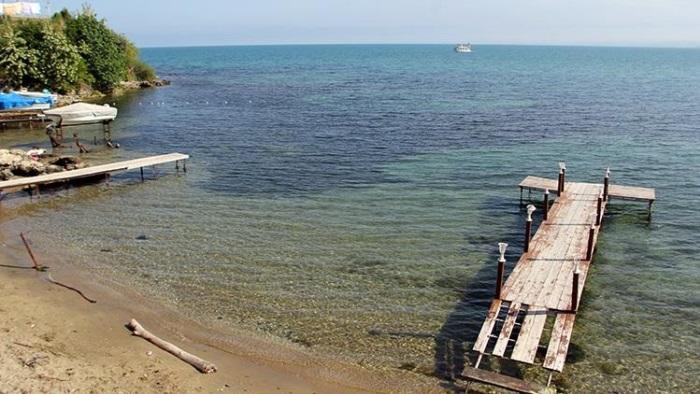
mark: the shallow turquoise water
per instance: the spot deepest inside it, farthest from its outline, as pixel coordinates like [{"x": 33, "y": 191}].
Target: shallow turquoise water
[{"x": 351, "y": 198}]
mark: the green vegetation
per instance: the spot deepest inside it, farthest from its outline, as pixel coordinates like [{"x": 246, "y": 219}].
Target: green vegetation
[{"x": 66, "y": 53}]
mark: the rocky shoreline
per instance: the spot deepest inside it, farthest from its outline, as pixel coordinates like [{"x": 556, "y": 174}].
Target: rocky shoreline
[
  {"x": 87, "y": 93},
  {"x": 15, "y": 163}
]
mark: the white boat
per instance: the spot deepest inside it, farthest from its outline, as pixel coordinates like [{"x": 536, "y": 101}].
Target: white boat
[
  {"x": 463, "y": 48},
  {"x": 45, "y": 93},
  {"x": 81, "y": 113}
]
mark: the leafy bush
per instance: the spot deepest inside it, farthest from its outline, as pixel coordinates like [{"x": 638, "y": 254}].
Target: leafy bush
[
  {"x": 99, "y": 46},
  {"x": 66, "y": 52}
]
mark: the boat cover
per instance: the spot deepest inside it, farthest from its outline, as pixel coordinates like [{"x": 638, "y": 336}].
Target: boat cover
[
  {"x": 15, "y": 100},
  {"x": 83, "y": 113}
]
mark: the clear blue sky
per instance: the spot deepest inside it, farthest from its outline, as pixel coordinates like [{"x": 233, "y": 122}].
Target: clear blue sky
[{"x": 150, "y": 23}]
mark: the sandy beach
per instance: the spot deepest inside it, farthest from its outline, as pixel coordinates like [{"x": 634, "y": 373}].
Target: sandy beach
[{"x": 54, "y": 341}]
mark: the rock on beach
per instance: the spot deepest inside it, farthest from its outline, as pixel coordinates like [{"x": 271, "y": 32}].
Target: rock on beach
[{"x": 19, "y": 163}]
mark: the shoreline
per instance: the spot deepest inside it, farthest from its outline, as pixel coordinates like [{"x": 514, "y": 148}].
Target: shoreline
[{"x": 53, "y": 340}]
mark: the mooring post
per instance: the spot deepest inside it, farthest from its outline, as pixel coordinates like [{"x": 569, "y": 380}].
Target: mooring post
[
  {"x": 606, "y": 185},
  {"x": 546, "y": 204},
  {"x": 142, "y": 179},
  {"x": 184, "y": 165},
  {"x": 501, "y": 268},
  {"x": 107, "y": 177},
  {"x": 562, "y": 167},
  {"x": 559, "y": 184},
  {"x": 591, "y": 237},
  {"x": 528, "y": 227},
  {"x": 574, "y": 290},
  {"x": 177, "y": 165},
  {"x": 599, "y": 210}
]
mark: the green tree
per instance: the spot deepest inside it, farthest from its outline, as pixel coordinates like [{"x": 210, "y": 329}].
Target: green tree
[
  {"x": 59, "y": 62},
  {"x": 99, "y": 46},
  {"x": 17, "y": 60}
]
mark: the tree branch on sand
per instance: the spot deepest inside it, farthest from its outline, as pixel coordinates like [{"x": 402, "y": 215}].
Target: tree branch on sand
[{"x": 201, "y": 365}]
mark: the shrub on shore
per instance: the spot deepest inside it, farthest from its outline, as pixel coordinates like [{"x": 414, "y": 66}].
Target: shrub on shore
[{"x": 66, "y": 52}]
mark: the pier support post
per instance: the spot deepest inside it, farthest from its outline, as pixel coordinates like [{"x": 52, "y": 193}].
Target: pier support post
[
  {"x": 559, "y": 184},
  {"x": 562, "y": 168},
  {"x": 606, "y": 185},
  {"x": 528, "y": 227},
  {"x": 546, "y": 204},
  {"x": 501, "y": 268},
  {"x": 142, "y": 179},
  {"x": 574, "y": 290},
  {"x": 591, "y": 237},
  {"x": 599, "y": 210}
]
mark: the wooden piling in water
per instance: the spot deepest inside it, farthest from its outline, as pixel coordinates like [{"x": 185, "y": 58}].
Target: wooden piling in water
[
  {"x": 591, "y": 239},
  {"x": 574, "y": 291}
]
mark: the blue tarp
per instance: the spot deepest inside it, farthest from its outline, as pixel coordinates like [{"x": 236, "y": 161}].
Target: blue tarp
[{"x": 15, "y": 100}]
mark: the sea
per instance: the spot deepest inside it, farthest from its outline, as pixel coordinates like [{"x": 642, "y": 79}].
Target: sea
[{"x": 349, "y": 199}]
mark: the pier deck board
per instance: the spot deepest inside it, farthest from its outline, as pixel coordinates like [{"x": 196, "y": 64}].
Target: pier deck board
[
  {"x": 541, "y": 283},
  {"x": 530, "y": 333},
  {"x": 93, "y": 171}
]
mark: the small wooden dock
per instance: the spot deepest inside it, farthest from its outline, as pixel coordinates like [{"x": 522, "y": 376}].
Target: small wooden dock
[
  {"x": 20, "y": 118},
  {"x": 532, "y": 316},
  {"x": 95, "y": 171}
]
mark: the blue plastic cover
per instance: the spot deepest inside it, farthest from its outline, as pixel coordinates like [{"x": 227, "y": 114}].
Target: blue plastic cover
[{"x": 15, "y": 100}]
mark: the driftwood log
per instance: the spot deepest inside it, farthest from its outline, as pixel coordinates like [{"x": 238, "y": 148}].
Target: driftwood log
[{"x": 201, "y": 365}]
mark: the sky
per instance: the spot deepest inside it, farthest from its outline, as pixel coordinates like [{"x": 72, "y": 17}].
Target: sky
[{"x": 167, "y": 23}]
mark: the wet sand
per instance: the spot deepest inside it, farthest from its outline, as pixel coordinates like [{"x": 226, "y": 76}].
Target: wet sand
[{"x": 52, "y": 340}]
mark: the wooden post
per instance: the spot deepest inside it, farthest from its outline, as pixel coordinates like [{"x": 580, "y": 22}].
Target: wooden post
[
  {"x": 546, "y": 203},
  {"x": 142, "y": 179},
  {"x": 599, "y": 210},
  {"x": 80, "y": 146},
  {"x": 574, "y": 291},
  {"x": 528, "y": 227},
  {"x": 606, "y": 185},
  {"x": 591, "y": 237},
  {"x": 562, "y": 171},
  {"x": 559, "y": 187},
  {"x": 502, "y": 246},
  {"x": 528, "y": 230},
  {"x": 184, "y": 165},
  {"x": 177, "y": 165},
  {"x": 499, "y": 277},
  {"x": 107, "y": 177},
  {"x": 563, "y": 179}
]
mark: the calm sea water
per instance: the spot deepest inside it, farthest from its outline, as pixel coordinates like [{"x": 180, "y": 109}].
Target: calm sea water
[{"x": 351, "y": 198}]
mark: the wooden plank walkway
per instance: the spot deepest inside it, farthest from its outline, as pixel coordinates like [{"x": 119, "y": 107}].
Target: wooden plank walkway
[
  {"x": 93, "y": 171},
  {"x": 616, "y": 191},
  {"x": 541, "y": 286}
]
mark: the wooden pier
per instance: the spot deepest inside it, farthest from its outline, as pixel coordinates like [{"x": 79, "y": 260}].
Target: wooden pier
[
  {"x": 533, "y": 312},
  {"x": 95, "y": 171}
]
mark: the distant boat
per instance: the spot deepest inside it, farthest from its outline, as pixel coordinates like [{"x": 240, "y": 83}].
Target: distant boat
[
  {"x": 463, "y": 48},
  {"x": 81, "y": 113}
]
